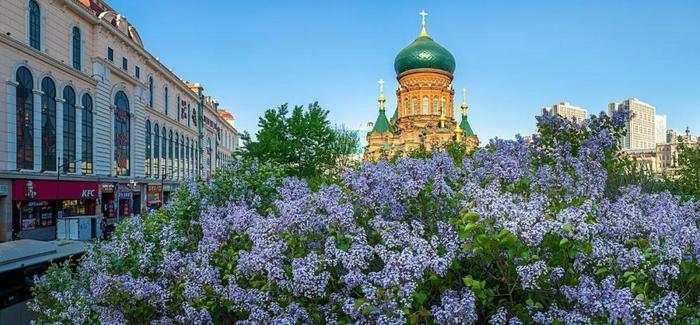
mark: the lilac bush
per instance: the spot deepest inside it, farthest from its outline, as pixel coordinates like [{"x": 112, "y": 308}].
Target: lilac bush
[{"x": 519, "y": 232}]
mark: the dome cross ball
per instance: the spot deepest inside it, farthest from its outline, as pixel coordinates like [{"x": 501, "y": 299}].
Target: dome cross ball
[{"x": 424, "y": 53}]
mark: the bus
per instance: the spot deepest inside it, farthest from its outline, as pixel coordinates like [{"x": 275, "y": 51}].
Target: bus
[{"x": 20, "y": 261}]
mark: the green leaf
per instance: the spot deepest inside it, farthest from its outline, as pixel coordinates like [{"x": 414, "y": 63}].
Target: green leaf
[
  {"x": 420, "y": 297},
  {"x": 367, "y": 310},
  {"x": 470, "y": 226},
  {"x": 472, "y": 217},
  {"x": 640, "y": 297},
  {"x": 563, "y": 241}
]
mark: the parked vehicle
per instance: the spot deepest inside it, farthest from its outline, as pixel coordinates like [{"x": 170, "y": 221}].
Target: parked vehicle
[{"x": 20, "y": 262}]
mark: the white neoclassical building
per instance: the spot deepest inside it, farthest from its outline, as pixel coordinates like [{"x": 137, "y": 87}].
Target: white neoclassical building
[{"x": 91, "y": 122}]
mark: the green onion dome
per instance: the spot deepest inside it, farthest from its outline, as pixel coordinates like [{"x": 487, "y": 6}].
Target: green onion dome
[{"x": 424, "y": 53}]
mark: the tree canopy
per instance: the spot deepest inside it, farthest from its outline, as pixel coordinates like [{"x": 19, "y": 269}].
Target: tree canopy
[{"x": 303, "y": 141}]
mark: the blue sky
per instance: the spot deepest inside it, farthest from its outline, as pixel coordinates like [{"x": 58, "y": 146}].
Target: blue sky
[{"x": 513, "y": 56}]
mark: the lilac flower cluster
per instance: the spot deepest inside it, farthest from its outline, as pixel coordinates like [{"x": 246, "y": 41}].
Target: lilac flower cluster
[{"x": 386, "y": 246}]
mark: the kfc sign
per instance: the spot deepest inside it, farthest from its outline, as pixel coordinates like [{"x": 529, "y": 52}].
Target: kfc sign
[
  {"x": 29, "y": 190},
  {"x": 88, "y": 194}
]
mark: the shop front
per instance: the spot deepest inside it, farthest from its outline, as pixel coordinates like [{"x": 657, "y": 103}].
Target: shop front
[
  {"x": 153, "y": 196},
  {"x": 37, "y": 204}
]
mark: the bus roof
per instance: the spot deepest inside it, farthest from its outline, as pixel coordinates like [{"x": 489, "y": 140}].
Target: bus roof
[{"x": 26, "y": 252}]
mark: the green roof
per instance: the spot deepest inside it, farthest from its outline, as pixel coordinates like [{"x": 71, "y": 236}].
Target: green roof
[
  {"x": 382, "y": 124},
  {"x": 424, "y": 53},
  {"x": 464, "y": 125}
]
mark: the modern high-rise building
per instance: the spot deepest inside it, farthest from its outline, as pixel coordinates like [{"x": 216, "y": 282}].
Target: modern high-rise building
[
  {"x": 567, "y": 111},
  {"x": 641, "y": 129},
  {"x": 671, "y": 135},
  {"x": 660, "y": 126}
]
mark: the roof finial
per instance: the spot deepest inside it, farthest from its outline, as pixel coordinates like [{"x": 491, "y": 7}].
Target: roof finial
[
  {"x": 464, "y": 102},
  {"x": 381, "y": 94},
  {"x": 423, "y": 31}
]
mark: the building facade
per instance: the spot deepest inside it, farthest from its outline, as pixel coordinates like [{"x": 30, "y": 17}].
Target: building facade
[
  {"x": 424, "y": 116},
  {"x": 92, "y": 123},
  {"x": 660, "y": 128},
  {"x": 667, "y": 152},
  {"x": 641, "y": 129},
  {"x": 567, "y": 111}
]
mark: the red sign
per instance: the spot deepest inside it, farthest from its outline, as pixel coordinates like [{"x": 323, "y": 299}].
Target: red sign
[
  {"x": 123, "y": 138},
  {"x": 122, "y": 162},
  {"x": 50, "y": 190}
]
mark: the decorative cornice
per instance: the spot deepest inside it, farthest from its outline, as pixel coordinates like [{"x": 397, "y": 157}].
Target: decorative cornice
[{"x": 45, "y": 58}]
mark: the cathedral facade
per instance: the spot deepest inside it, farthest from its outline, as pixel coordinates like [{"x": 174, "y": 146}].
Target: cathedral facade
[{"x": 424, "y": 116}]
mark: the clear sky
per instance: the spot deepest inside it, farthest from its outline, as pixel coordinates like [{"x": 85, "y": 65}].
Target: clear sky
[{"x": 514, "y": 57}]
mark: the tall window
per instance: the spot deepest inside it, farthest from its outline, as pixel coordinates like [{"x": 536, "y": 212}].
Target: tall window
[
  {"x": 122, "y": 135},
  {"x": 76, "y": 48},
  {"x": 415, "y": 105},
  {"x": 34, "y": 25},
  {"x": 164, "y": 152},
  {"x": 69, "y": 130},
  {"x": 177, "y": 107},
  {"x": 148, "y": 148},
  {"x": 407, "y": 107},
  {"x": 156, "y": 151},
  {"x": 188, "y": 114},
  {"x": 176, "y": 162},
  {"x": 182, "y": 156},
  {"x": 187, "y": 157},
  {"x": 170, "y": 153},
  {"x": 442, "y": 106},
  {"x": 425, "y": 105},
  {"x": 150, "y": 91},
  {"x": 166, "y": 100},
  {"x": 86, "y": 135},
  {"x": 48, "y": 129},
  {"x": 436, "y": 106},
  {"x": 24, "y": 106}
]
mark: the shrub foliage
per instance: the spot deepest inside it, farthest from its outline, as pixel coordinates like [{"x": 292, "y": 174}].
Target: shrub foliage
[{"x": 518, "y": 232}]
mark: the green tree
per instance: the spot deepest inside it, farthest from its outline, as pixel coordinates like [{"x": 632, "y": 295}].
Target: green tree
[
  {"x": 302, "y": 141},
  {"x": 688, "y": 174}
]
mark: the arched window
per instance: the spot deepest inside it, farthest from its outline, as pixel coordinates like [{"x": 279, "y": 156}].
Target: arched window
[
  {"x": 425, "y": 105},
  {"x": 156, "y": 151},
  {"x": 436, "y": 106},
  {"x": 209, "y": 152},
  {"x": 150, "y": 91},
  {"x": 48, "y": 128},
  {"x": 170, "y": 154},
  {"x": 122, "y": 134},
  {"x": 176, "y": 162},
  {"x": 148, "y": 148},
  {"x": 34, "y": 25},
  {"x": 165, "y": 99},
  {"x": 193, "y": 156},
  {"x": 182, "y": 156},
  {"x": 406, "y": 106},
  {"x": 164, "y": 152},
  {"x": 24, "y": 107},
  {"x": 69, "y": 130},
  {"x": 86, "y": 134},
  {"x": 177, "y": 107},
  {"x": 187, "y": 158},
  {"x": 442, "y": 105},
  {"x": 76, "y": 48},
  {"x": 415, "y": 105}
]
